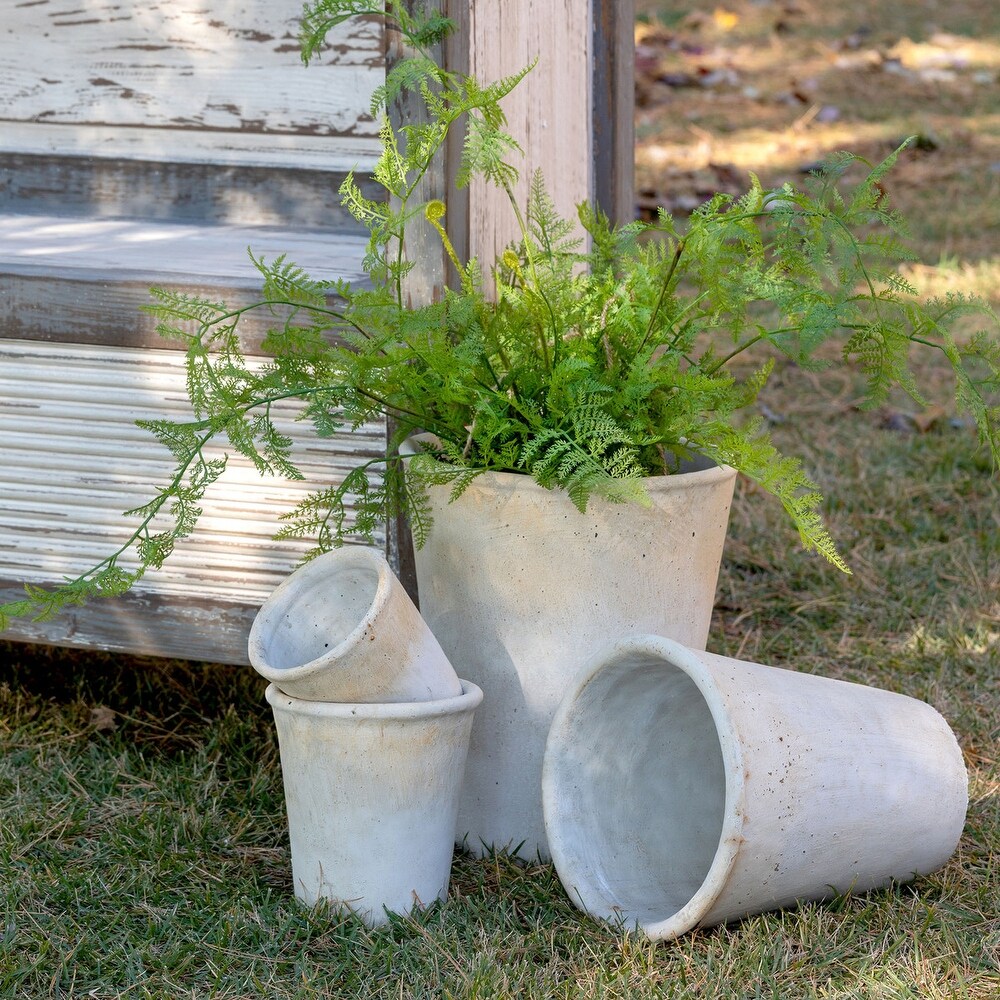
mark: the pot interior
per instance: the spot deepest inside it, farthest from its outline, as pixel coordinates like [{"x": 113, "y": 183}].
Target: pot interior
[
  {"x": 313, "y": 619},
  {"x": 636, "y": 791}
]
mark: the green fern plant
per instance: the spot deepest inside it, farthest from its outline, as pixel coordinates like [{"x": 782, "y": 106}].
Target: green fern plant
[{"x": 588, "y": 366}]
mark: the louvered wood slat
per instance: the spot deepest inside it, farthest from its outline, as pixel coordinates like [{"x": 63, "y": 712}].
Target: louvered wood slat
[
  {"x": 72, "y": 460},
  {"x": 84, "y": 280},
  {"x": 140, "y": 251},
  {"x": 87, "y": 365}
]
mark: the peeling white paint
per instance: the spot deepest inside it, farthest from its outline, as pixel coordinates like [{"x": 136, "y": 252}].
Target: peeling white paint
[{"x": 228, "y": 73}]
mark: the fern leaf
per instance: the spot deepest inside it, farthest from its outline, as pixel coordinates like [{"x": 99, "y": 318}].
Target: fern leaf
[
  {"x": 320, "y": 16},
  {"x": 286, "y": 281},
  {"x": 751, "y": 452},
  {"x": 484, "y": 154},
  {"x": 407, "y": 75}
]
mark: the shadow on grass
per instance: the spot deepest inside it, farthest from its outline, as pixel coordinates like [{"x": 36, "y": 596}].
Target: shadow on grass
[{"x": 167, "y": 704}]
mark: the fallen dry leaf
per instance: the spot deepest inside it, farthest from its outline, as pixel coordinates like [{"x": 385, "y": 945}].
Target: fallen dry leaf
[
  {"x": 725, "y": 20},
  {"x": 103, "y": 719},
  {"x": 927, "y": 419}
]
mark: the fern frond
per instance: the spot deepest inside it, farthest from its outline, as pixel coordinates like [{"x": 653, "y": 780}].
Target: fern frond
[
  {"x": 407, "y": 75},
  {"x": 751, "y": 452},
  {"x": 320, "y": 16},
  {"x": 554, "y": 235},
  {"x": 391, "y": 167},
  {"x": 485, "y": 153},
  {"x": 869, "y": 196},
  {"x": 883, "y": 352},
  {"x": 184, "y": 317},
  {"x": 554, "y": 459},
  {"x": 324, "y": 515},
  {"x": 372, "y": 214},
  {"x": 284, "y": 280}
]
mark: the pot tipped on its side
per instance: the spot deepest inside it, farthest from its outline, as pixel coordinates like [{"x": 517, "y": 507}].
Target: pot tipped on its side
[
  {"x": 684, "y": 789},
  {"x": 342, "y": 629}
]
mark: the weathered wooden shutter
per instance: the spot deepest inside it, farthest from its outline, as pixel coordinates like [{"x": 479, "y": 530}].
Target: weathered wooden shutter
[{"x": 151, "y": 144}]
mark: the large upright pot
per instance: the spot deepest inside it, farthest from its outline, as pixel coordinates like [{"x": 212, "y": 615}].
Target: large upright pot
[{"x": 521, "y": 589}]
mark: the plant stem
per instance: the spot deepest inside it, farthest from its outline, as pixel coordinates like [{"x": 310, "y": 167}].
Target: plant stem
[
  {"x": 671, "y": 270},
  {"x": 529, "y": 256},
  {"x": 740, "y": 348}
]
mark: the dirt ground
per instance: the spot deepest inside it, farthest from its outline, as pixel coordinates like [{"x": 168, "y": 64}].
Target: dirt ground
[{"x": 774, "y": 85}]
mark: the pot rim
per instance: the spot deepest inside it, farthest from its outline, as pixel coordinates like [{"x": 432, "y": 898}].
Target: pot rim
[
  {"x": 714, "y": 473},
  {"x": 469, "y": 699},
  {"x": 730, "y": 832},
  {"x": 358, "y": 555}
]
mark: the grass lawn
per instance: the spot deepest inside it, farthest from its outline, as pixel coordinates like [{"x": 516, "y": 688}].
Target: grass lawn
[
  {"x": 142, "y": 834},
  {"x": 143, "y": 849}
]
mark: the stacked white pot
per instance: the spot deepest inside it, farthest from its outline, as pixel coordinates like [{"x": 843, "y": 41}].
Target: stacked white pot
[{"x": 373, "y": 728}]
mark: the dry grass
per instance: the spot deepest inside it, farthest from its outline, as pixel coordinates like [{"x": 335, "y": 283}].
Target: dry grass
[{"x": 774, "y": 86}]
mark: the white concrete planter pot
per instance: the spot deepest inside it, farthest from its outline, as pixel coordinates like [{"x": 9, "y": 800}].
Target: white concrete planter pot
[
  {"x": 520, "y": 589},
  {"x": 371, "y": 793},
  {"x": 684, "y": 789},
  {"x": 341, "y": 628}
]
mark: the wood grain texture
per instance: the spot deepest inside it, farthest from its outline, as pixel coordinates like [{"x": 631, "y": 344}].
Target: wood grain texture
[
  {"x": 193, "y": 145},
  {"x": 182, "y": 79},
  {"x": 188, "y": 628},
  {"x": 613, "y": 111},
  {"x": 72, "y": 460},
  {"x": 550, "y": 113},
  {"x": 425, "y": 283},
  {"x": 106, "y": 249},
  {"x": 207, "y": 194},
  {"x": 85, "y": 280}
]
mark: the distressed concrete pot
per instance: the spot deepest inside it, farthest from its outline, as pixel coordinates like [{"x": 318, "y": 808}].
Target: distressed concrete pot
[
  {"x": 371, "y": 793},
  {"x": 520, "y": 588},
  {"x": 684, "y": 789},
  {"x": 341, "y": 628}
]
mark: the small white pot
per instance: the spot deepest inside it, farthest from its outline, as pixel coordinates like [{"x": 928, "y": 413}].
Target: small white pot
[
  {"x": 521, "y": 589},
  {"x": 371, "y": 793},
  {"x": 684, "y": 789},
  {"x": 341, "y": 628}
]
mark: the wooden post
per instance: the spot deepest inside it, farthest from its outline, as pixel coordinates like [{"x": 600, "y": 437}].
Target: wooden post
[
  {"x": 613, "y": 111},
  {"x": 572, "y": 114},
  {"x": 425, "y": 283}
]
